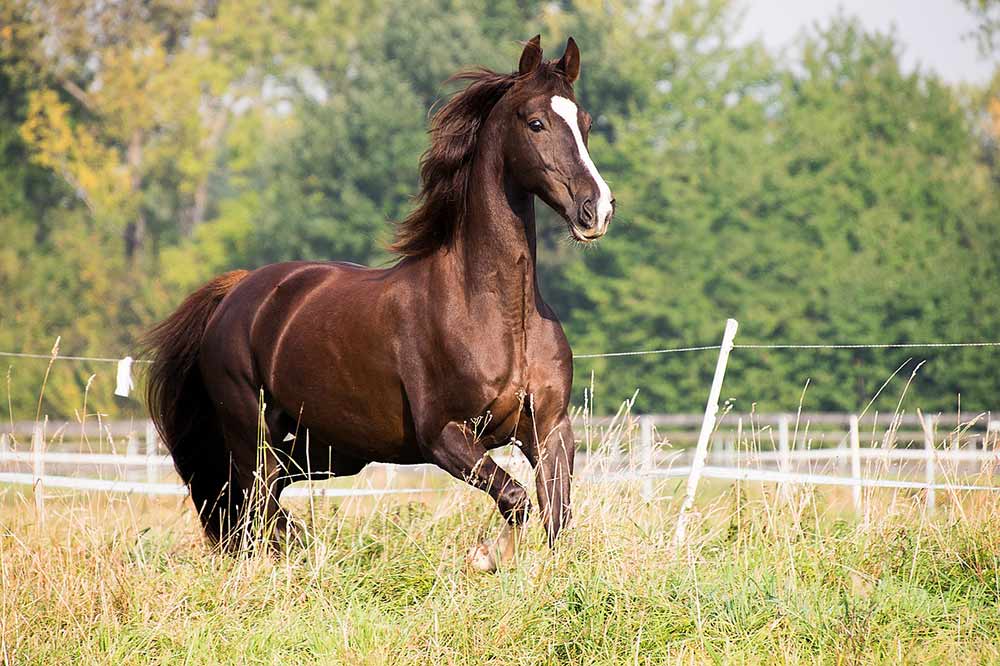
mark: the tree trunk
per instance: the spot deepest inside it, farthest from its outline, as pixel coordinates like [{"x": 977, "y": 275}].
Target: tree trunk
[
  {"x": 196, "y": 213},
  {"x": 135, "y": 231}
]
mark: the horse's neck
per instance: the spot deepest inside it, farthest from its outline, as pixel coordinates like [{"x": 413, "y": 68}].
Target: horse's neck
[{"x": 495, "y": 245}]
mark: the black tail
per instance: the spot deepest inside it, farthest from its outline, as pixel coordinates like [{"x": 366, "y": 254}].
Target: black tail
[{"x": 182, "y": 411}]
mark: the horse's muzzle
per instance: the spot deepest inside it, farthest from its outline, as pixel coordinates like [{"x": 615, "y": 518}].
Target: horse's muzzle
[{"x": 588, "y": 227}]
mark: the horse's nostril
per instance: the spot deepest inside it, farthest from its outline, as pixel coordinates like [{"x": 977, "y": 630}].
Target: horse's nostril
[{"x": 587, "y": 216}]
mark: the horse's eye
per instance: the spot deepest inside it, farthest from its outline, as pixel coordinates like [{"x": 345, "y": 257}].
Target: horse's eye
[{"x": 535, "y": 125}]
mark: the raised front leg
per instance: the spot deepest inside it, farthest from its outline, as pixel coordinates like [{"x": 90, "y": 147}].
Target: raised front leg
[
  {"x": 551, "y": 451},
  {"x": 457, "y": 452}
]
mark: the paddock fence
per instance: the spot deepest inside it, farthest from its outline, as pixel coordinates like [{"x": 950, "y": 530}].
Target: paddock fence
[
  {"x": 925, "y": 452},
  {"x": 786, "y": 448}
]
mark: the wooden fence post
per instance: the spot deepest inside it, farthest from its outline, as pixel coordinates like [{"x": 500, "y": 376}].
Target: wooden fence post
[
  {"x": 707, "y": 426},
  {"x": 646, "y": 456},
  {"x": 855, "y": 435},
  {"x": 38, "y": 472},
  {"x": 152, "y": 469},
  {"x": 930, "y": 467}
]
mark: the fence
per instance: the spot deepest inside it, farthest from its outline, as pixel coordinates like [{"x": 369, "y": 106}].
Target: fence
[
  {"x": 654, "y": 459},
  {"x": 661, "y": 450}
]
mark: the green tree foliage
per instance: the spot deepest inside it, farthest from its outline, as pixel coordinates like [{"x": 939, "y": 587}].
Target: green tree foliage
[
  {"x": 832, "y": 197},
  {"x": 837, "y": 202}
]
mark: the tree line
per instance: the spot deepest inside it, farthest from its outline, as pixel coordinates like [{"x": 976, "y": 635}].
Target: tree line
[{"x": 825, "y": 194}]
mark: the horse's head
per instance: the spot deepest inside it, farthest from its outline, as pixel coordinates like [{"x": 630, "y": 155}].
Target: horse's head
[{"x": 545, "y": 142}]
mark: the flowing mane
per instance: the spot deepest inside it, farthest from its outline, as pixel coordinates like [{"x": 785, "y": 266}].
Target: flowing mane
[{"x": 446, "y": 167}]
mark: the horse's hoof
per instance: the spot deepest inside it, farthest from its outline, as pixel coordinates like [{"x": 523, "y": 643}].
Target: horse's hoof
[{"x": 480, "y": 558}]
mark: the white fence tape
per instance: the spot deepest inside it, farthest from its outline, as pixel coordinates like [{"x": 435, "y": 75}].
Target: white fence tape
[
  {"x": 737, "y": 474},
  {"x": 87, "y": 459},
  {"x": 176, "y": 489},
  {"x": 745, "y": 457}
]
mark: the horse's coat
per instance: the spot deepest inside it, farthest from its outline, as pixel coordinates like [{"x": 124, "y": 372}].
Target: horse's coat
[{"x": 448, "y": 353}]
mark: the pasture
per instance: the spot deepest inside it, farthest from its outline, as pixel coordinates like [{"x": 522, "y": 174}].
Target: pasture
[
  {"x": 799, "y": 578},
  {"x": 236, "y": 165}
]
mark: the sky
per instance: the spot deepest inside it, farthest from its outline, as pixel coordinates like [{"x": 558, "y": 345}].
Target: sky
[{"x": 931, "y": 31}]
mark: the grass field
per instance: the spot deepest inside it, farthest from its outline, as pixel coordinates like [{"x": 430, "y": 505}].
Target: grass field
[{"x": 384, "y": 582}]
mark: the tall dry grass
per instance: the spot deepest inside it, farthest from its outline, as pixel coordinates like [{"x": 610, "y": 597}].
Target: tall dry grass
[
  {"x": 790, "y": 575},
  {"x": 123, "y": 581}
]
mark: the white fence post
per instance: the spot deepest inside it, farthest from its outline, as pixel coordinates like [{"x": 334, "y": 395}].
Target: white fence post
[
  {"x": 855, "y": 436},
  {"x": 990, "y": 443},
  {"x": 646, "y": 456},
  {"x": 152, "y": 470},
  {"x": 132, "y": 451},
  {"x": 737, "y": 443},
  {"x": 4, "y": 446},
  {"x": 38, "y": 472},
  {"x": 707, "y": 426},
  {"x": 784, "y": 454},
  {"x": 929, "y": 470}
]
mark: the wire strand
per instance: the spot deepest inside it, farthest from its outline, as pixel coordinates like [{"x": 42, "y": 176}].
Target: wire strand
[
  {"x": 641, "y": 352},
  {"x": 648, "y": 351},
  {"x": 890, "y": 345},
  {"x": 60, "y": 357}
]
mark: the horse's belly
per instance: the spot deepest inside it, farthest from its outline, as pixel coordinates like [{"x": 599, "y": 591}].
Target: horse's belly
[{"x": 348, "y": 406}]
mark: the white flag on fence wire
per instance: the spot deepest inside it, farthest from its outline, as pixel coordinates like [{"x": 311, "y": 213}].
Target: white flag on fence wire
[{"x": 123, "y": 383}]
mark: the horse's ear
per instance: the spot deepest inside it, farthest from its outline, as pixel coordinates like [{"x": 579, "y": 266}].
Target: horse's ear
[
  {"x": 569, "y": 64},
  {"x": 531, "y": 56}
]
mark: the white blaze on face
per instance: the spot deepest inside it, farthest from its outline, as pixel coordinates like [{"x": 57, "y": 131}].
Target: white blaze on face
[{"x": 566, "y": 110}]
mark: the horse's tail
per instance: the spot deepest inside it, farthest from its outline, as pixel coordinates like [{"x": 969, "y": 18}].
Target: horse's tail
[{"x": 182, "y": 410}]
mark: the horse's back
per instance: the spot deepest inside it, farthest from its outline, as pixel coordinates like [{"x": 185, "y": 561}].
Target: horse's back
[{"x": 236, "y": 319}]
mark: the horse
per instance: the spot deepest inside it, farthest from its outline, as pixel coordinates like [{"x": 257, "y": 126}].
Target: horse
[{"x": 447, "y": 353}]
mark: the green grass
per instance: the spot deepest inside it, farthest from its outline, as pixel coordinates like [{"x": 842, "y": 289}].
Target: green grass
[{"x": 385, "y": 582}]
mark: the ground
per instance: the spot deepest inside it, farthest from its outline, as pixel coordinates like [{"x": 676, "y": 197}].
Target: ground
[{"x": 384, "y": 581}]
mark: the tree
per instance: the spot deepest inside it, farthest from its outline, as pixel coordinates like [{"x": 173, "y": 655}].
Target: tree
[
  {"x": 840, "y": 203},
  {"x": 831, "y": 197}
]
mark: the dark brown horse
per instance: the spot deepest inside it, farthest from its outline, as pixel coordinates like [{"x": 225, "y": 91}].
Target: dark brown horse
[{"x": 443, "y": 356}]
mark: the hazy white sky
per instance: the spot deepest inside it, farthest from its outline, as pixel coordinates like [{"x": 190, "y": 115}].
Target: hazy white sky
[{"x": 931, "y": 31}]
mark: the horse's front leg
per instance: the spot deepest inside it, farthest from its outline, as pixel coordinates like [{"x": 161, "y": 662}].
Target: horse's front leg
[
  {"x": 551, "y": 450},
  {"x": 457, "y": 452}
]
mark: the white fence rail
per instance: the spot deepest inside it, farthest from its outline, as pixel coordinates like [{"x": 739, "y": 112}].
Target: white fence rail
[{"x": 653, "y": 458}]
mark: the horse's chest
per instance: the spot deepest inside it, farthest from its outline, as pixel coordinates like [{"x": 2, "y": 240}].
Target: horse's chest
[
  {"x": 515, "y": 400},
  {"x": 508, "y": 403},
  {"x": 519, "y": 360}
]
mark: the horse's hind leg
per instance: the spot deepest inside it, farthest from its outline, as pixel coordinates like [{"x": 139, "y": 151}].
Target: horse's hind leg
[{"x": 252, "y": 431}]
